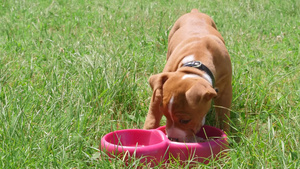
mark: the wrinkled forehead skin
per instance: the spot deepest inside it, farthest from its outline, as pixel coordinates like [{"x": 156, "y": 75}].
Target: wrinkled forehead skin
[{"x": 178, "y": 87}]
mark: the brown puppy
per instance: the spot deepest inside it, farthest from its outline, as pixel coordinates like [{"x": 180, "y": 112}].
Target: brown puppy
[{"x": 198, "y": 69}]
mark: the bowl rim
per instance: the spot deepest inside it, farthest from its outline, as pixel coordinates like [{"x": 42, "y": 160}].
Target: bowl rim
[{"x": 105, "y": 143}]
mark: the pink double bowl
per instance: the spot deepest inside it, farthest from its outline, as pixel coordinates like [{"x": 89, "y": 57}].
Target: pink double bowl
[{"x": 152, "y": 146}]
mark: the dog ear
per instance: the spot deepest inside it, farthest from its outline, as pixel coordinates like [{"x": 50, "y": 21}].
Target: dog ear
[
  {"x": 210, "y": 93},
  {"x": 200, "y": 92},
  {"x": 156, "y": 82}
]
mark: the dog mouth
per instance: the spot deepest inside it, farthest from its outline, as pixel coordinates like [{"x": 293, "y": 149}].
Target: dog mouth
[
  {"x": 193, "y": 139},
  {"x": 173, "y": 139},
  {"x": 187, "y": 139}
]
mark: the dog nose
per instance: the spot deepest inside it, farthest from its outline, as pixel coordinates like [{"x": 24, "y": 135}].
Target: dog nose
[{"x": 173, "y": 139}]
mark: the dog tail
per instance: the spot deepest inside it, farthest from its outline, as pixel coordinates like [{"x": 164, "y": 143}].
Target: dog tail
[{"x": 194, "y": 11}]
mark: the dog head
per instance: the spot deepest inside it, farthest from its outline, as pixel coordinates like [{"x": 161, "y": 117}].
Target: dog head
[{"x": 185, "y": 101}]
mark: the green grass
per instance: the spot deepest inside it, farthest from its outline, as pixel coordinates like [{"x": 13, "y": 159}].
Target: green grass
[{"x": 72, "y": 71}]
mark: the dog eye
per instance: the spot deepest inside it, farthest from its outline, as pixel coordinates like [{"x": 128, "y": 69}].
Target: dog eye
[{"x": 184, "y": 121}]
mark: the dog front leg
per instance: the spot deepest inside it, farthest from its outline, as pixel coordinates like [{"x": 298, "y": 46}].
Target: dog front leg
[{"x": 154, "y": 114}]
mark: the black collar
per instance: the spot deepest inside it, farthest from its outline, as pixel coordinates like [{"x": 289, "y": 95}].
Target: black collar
[{"x": 199, "y": 65}]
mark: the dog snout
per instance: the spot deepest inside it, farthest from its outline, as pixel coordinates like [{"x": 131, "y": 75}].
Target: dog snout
[{"x": 175, "y": 134}]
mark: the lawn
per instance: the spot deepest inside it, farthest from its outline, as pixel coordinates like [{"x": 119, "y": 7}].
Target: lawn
[{"x": 72, "y": 71}]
